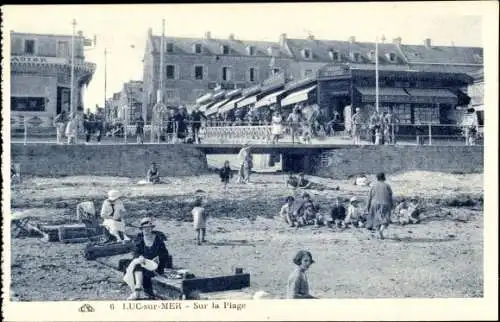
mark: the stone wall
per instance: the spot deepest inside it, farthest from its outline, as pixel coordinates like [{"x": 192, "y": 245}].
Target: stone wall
[
  {"x": 107, "y": 160},
  {"x": 353, "y": 160}
]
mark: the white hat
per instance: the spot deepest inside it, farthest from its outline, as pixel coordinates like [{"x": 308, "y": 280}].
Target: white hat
[
  {"x": 113, "y": 195},
  {"x": 146, "y": 222},
  {"x": 353, "y": 199}
]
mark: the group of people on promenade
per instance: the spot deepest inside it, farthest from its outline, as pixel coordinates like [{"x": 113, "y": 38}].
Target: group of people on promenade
[
  {"x": 69, "y": 125},
  {"x": 382, "y": 127}
]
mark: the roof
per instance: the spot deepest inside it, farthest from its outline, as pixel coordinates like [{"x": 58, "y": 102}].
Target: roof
[
  {"x": 443, "y": 54},
  {"x": 212, "y": 46},
  {"x": 320, "y": 50}
]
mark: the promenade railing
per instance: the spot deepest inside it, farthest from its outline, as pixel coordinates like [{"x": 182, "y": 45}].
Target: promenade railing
[{"x": 221, "y": 132}]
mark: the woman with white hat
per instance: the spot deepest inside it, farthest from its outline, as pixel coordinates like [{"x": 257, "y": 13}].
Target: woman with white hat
[
  {"x": 113, "y": 213},
  {"x": 150, "y": 259}
]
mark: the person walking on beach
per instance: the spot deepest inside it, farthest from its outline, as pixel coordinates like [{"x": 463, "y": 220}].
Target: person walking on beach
[
  {"x": 379, "y": 205},
  {"x": 225, "y": 173}
]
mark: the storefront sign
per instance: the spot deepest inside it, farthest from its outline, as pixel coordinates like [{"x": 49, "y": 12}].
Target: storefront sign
[
  {"x": 38, "y": 60},
  {"x": 334, "y": 71}
]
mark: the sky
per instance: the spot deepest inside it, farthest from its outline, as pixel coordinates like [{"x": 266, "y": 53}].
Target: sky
[{"x": 122, "y": 29}]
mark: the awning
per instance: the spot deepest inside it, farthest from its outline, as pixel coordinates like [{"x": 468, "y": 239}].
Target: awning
[
  {"x": 269, "y": 99},
  {"x": 214, "y": 108},
  {"x": 298, "y": 96},
  {"x": 385, "y": 95},
  {"x": 432, "y": 96},
  {"x": 247, "y": 101},
  {"x": 204, "y": 107},
  {"x": 204, "y": 98},
  {"x": 230, "y": 105}
]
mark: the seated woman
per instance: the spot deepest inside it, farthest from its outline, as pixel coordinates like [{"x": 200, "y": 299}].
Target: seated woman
[
  {"x": 355, "y": 216},
  {"x": 153, "y": 175},
  {"x": 113, "y": 215},
  {"x": 149, "y": 246}
]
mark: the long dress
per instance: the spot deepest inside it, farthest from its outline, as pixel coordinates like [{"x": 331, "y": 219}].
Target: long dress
[
  {"x": 276, "y": 128},
  {"x": 379, "y": 205}
]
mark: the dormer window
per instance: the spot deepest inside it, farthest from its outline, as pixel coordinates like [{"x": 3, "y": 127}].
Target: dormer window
[
  {"x": 478, "y": 57},
  {"x": 251, "y": 50},
  {"x": 371, "y": 55},
  {"x": 334, "y": 55},
  {"x": 306, "y": 53},
  {"x": 197, "y": 48},
  {"x": 170, "y": 47},
  {"x": 391, "y": 57},
  {"x": 225, "y": 49},
  {"x": 356, "y": 57}
]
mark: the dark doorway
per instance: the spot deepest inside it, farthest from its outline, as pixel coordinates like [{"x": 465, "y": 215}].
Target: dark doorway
[{"x": 63, "y": 97}]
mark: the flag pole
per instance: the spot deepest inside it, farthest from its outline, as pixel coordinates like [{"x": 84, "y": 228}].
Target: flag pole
[
  {"x": 71, "y": 104},
  {"x": 376, "y": 77}
]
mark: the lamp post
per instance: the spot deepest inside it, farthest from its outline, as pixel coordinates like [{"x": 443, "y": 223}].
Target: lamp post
[
  {"x": 376, "y": 76},
  {"x": 72, "y": 108}
]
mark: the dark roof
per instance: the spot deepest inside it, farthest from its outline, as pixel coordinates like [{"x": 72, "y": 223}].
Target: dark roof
[
  {"x": 443, "y": 54},
  {"x": 320, "y": 50},
  {"x": 212, "y": 46}
]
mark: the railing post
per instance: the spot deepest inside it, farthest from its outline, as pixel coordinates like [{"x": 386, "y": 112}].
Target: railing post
[
  {"x": 430, "y": 134},
  {"x": 25, "y": 132},
  {"x": 125, "y": 129}
]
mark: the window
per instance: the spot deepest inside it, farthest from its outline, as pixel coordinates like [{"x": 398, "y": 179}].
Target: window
[
  {"x": 170, "y": 72},
  {"x": 226, "y": 74},
  {"x": 275, "y": 71},
  {"x": 27, "y": 104},
  {"x": 251, "y": 50},
  {"x": 170, "y": 47},
  {"x": 356, "y": 57},
  {"x": 391, "y": 57},
  {"x": 198, "y": 72},
  {"x": 225, "y": 49},
  {"x": 29, "y": 46},
  {"x": 334, "y": 55},
  {"x": 307, "y": 53},
  {"x": 371, "y": 55},
  {"x": 63, "y": 49},
  {"x": 197, "y": 48},
  {"x": 308, "y": 72},
  {"x": 252, "y": 74}
]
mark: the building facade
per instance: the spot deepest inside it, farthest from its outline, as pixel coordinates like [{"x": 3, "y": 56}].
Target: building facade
[
  {"x": 41, "y": 76},
  {"x": 130, "y": 101},
  {"x": 194, "y": 66}
]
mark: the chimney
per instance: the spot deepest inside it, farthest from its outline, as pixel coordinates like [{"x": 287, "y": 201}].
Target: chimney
[
  {"x": 427, "y": 43},
  {"x": 80, "y": 33},
  {"x": 150, "y": 31},
  {"x": 397, "y": 41},
  {"x": 231, "y": 36},
  {"x": 310, "y": 37},
  {"x": 282, "y": 40},
  {"x": 207, "y": 35},
  {"x": 352, "y": 39}
]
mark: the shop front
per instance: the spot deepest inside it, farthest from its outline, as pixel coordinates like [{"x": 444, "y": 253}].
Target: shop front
[{"x": 41, "y": 88}]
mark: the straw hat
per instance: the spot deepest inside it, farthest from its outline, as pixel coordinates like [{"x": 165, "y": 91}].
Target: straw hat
[
  {"x": 113, "y": 195},
  {"x": 146, "y": 222}
]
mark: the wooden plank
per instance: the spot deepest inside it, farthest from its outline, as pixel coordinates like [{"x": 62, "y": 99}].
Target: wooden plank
[
  {"x": 216, "y": 284},
  {"x": 96, "y": 250}
]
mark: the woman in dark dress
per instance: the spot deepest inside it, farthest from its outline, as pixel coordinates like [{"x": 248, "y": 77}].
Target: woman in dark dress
[{"x": 149, "y": 246}]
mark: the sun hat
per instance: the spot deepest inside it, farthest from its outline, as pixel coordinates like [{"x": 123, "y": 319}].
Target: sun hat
[
  {"x": 146, "y": 222},
  {"x": 113, "y": 195},
  {"x": 353, "y": 199}
]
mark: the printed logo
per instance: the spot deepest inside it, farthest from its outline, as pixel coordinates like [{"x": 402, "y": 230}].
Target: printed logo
[{"x": 86, "y": 308}]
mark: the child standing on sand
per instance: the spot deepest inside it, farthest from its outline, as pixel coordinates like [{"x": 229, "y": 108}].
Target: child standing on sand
[
  {"x": 199, "y": 220},
  {"x": 225, "y": 173}
]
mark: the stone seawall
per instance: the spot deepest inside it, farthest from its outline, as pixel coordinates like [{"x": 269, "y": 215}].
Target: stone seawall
[
  {"x": 107, "y": 160},
  {"x": 349, "y": 161}
]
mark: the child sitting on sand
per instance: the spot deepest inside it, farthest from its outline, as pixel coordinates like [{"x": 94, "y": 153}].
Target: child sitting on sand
[
  {"x": 199, "y": 220},
  {"x": 306, "y": 212},
  {"x": 407, "y": 212},
  {"x": 287, "y": 212},
  {"x": 355, "y": 216},
  {"x": 225, "y": 173},
  {"x": 338, "y": 213}
]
